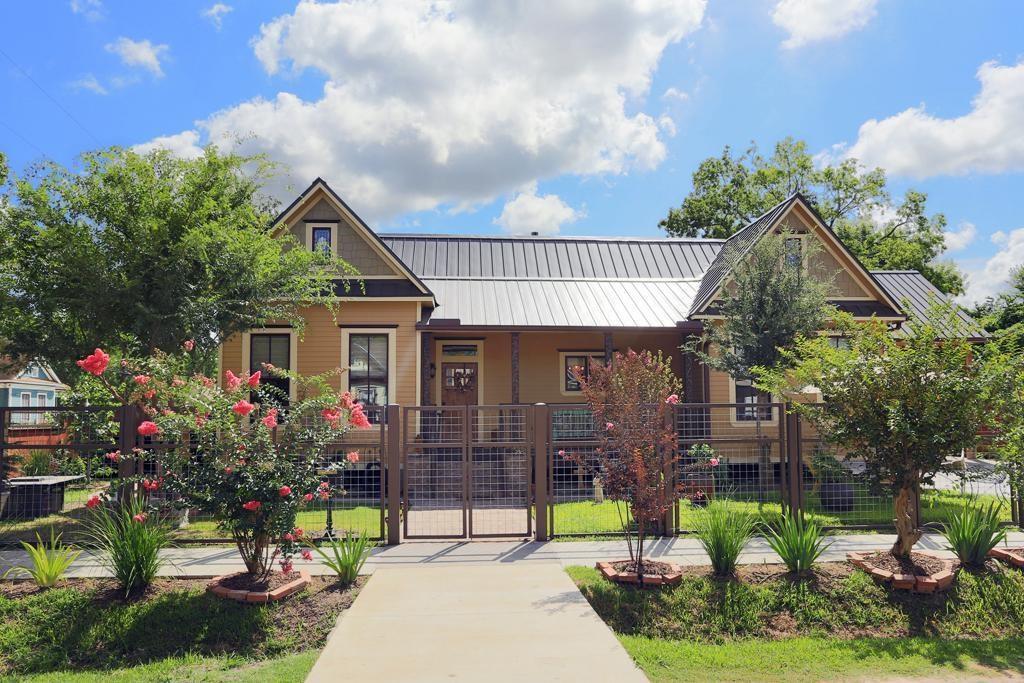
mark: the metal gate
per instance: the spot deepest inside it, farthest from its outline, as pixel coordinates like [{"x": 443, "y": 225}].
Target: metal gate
[{"x": 468, "y": 472}]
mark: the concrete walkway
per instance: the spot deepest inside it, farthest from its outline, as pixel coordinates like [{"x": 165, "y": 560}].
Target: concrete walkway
[
  {"x": 203, "y": 561},
  {"x": 500, "y": 622}
]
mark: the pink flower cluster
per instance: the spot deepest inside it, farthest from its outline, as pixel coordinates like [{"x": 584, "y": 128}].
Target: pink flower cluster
[
  {"x": 148, "y": 428},
  {"x": 252, "y": 505},
  {"x": 95, "y": 363}
]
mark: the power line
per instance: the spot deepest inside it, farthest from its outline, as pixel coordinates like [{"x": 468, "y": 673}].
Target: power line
[
  {"x": 51, "y": 98},
  {"x": 23, "y": 138}
]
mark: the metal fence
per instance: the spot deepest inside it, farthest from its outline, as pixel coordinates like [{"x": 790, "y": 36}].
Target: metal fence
[{"x": 487, "y": 471}]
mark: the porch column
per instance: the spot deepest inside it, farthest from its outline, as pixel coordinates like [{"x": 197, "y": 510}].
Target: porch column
[
  {"x": 608, "y": 348},
  {"x": 426, "y": 358},
  {"x": 515, "y": 368}
]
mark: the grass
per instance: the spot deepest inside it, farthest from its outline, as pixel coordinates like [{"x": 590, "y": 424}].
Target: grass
[
  {"x": 88, "y": 628},
  {"x": 986, "y": 605},
  {"x": 837, "y": 626},
  {"x": 817, "y": 659},
  {"x": 582, "y": 518},
  {"x": 287, "y": 669}
]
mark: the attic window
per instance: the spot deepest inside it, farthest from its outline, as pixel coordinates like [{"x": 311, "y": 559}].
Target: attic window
[
  {"x": 794, "y": 251},
  {"x": 321, "y": 239}
]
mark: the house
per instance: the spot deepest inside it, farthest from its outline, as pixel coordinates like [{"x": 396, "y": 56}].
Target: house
[
  {"x": 469, "y": 320},
  {"x": 34, "y": 385}
]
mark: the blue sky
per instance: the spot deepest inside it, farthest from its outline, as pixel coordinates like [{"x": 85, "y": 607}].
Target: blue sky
[{"x": 557, "y": 116}]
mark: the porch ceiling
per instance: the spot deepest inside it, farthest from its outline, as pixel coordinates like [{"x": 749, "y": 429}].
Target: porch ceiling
[{"x": 563, "y": 303}]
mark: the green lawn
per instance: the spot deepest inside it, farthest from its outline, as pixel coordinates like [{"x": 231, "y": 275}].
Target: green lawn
[
  {"x": 287, "y": 669},
  {"x": 836, "y": 626},
  {"x": 820, "y": 659},
  {"x": 589, "y": 518}
]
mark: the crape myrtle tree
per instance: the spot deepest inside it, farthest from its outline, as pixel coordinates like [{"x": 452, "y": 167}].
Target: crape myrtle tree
[
  {"x": 1004, "y": 365},
  {"x": 238, "y": 452},
  {"x": 137, "y": 252},
  {"x": 730, "y": 190},
  {"x": 632, "y": 399},
  {"x": 902, "y": 404}
]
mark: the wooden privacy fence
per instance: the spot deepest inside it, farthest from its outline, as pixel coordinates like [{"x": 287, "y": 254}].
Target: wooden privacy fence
[{"x": 450, "y": 472}]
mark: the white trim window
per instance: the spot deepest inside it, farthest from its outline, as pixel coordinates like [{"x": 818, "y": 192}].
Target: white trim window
[
  {"x": 369, "y": 356},
  {"x": 322, "y": 236},
  {"x": 759, "y": 402}
]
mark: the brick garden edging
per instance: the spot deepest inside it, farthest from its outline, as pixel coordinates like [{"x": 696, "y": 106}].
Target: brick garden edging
[
  {"x": 932, "y": 583},
  {"x": 1014, "y": 556},
  {"x": 279, "y": 593},
  {"x": 612, "y": 574}
]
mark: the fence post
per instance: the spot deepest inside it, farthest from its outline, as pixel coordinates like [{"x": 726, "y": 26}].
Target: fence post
[
  {"x": 540, "y": 469},
  {"x": 128, "y": 420},
  {"x": 794, "y": 464},
  {"x": 669, "y": 472},
  {"x": 393, "y": 452}
]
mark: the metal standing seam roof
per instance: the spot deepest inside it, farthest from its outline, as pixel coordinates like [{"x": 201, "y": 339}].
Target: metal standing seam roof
[{"x": 916, "y": 294}]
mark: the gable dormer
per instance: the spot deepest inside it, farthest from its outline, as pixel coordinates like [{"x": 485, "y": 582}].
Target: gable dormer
[
  {"x": 854, "y": 288},
  {"x": 320, "y": 219}
]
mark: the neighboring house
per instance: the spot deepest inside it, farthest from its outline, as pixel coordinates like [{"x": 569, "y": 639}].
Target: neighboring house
[
  {"x": 35, "y": 385},
  {"x": 458, "y": 319}
]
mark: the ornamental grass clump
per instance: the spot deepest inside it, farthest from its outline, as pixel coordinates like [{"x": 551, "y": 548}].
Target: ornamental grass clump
[
  {"x": 973, "y": 532},
  {"x": 347, "y": 555},
  {"x": 246, "y": 452},
  {"x": 723, "y": 530},
  {"x": 49, "y": 561},
  {"x": 797, "y": 541},
  {"x": 129, "y": 537}
]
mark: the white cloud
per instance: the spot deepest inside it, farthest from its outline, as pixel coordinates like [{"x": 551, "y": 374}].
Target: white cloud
[
  {"x": 993, "y": 276},
  {"x": 675, "y": 94},
  {"x": 810, "y": 21},
  {"x": 89, "y": 82},
  {"x": 957, "y": 240},
  {"x": 988, "y": 139},
  {"x": 527, "y": 212},
  {"x": 184, "y": 144},
  {"x": 215, "y": 13},
  {"x": 141, "y": 53},
  {"x": 90, "y": 9},
  {"x": 455, "y": 103}
]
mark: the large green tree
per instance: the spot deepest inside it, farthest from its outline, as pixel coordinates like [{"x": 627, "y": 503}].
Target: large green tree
[
  {"x": 731, "y": 190},
  {"x": 139, "y": 252},
  {"x": 1003, "y": 315}
]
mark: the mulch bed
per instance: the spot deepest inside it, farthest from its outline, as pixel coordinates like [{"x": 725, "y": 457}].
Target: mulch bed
[
  {"x": 650, "y": 567},
  {"x": 1012, "y": 556},
  {"x": 244, "y": 582},
  {"x": 918, "y": 564},
  {"x": 920, "y": 573}
]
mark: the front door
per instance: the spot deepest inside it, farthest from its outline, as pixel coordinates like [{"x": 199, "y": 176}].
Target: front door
[{"x": 459, "y": 383}]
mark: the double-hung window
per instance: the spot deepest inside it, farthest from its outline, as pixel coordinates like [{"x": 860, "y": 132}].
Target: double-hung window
[
  {"x": 757, "y": 403},
  {"x": 368, "y": 369},
  {"x": 580, "y": 362},
  {"x": 275, "y": 349}
]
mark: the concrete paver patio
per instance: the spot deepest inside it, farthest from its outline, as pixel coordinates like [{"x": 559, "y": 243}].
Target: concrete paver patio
[{"x": 512, "y": 622}]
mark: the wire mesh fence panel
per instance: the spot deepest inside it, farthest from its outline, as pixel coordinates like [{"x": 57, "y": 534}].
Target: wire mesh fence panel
[
  {"x": 52, "y": 459},
  {"x": 577, "y": 503},
  {"x": 500, "y": 472},
  {"x": 434, "y": 454},
  {"x": 836, "y": 493},
  {"x": 729, "y": 452}
]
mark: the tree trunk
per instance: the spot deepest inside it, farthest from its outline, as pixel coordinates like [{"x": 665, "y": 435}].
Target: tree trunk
[
  {"x": 640, "y": 553},
  {"x": 907, "y": 532},
  {"x": 255, "y": 553}
]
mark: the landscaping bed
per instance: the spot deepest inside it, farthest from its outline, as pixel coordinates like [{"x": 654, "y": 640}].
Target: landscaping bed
[
  {"x": 90, "y": 624},
  {"x": 836, "y": 601}
]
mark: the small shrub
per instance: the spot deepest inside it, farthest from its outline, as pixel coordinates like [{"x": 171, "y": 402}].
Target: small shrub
[
  {"x": 347, "y": 555},
  {"x": 70, "y": 465},
  {"x": 723, "y": 531},
  {"x": 798, "y": 542},
  {"x": 130, "y": 540},
  {"x": 974, "y": 531},
  {"x": 49, "y": 561},
  {"x": 38, "y": 463}
]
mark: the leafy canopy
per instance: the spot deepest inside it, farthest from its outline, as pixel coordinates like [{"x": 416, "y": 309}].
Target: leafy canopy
[
  {"x": 767, "y": 304},
  {"x": 138, "y": 252},
  {"x": 1004, "y": 314},
  {"x": 729, "y": 191},
  {"x": 902, "y": 405}
]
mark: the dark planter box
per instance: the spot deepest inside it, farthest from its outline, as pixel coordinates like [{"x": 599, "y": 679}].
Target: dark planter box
[
  {"x": 837, "y": 496},
  {"x": 32, "y": 497}
]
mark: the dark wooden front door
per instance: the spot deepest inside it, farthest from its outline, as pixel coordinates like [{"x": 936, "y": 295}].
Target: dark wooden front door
[{"x": 459, "y": 384}]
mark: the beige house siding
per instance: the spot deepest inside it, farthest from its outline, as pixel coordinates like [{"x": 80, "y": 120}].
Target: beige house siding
[{"x": 319, "y": 348}]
